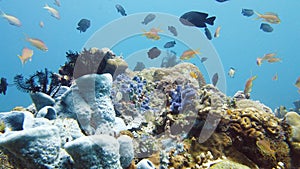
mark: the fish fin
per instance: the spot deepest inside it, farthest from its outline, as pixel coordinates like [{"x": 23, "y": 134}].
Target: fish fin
[
  {"x": 258, "y": 15},
  {"x": 2, "y": 13},
  {"x": 210, "y": 20}
]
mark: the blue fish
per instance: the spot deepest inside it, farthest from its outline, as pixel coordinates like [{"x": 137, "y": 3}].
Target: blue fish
[
  {"x": 198, "y": 19},
  {"x": 247, "y": 12},
  {"x": 83, "y": 25},
  {"x": 207, "y": 33},
  {"x": 170, "y": 44},
  {"x": 222, "y": 0},
  {"x": 266, "y": 27},
  {"x": 121, "y": 10}
]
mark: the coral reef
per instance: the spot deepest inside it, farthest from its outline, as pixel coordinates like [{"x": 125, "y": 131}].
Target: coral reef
[
  {"x": 91, "y": 61},
  {"x": 112, "y": 117}
]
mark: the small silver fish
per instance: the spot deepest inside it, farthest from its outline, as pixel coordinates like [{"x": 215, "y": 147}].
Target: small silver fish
[
  {"x": 215, "y": 79},
  {"x": 173, "y": 30}
]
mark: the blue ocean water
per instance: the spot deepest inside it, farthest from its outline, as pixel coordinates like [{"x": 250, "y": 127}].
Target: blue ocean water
[{"x": 240, "y": 42}]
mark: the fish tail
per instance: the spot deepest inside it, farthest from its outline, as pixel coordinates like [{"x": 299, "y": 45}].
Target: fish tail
[
  {"x": 210, "y": 20},
  {"x": 258, "y": 15},
  {"x": 1, "y": 13}
]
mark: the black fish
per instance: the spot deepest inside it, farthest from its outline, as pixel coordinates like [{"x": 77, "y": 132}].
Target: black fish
[
  {"x": 121, "y": 10},
  {"x": 153, "y": 53},
  {"x": 83, "y": 25},
  {"x": 247, "y": 12},
  {"x": 170, "y": 44},
  {"x": 203, "y": 59},
  {"x": 197, "y": 19},
  {"x": 3, "y": 85},
  {"x": 207, "y": 33},
  {"x": 215, "y": 79},
  {"x": 173, "y": 30},
  {"x": 222, "y": 0},
  {"x": 148, "y": 18},
  {"x": 266, "y": 27}
]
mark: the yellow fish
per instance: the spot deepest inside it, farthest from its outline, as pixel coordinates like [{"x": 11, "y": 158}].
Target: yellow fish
[
  {"x": 189, "y": 54},
  {"x": 37, "y": 43},
  {"x": 53, "y": 11},
  {"x": 26, "y": 55},
  {"x": 193, "y": 75},
  {"x": 152, "y": 34},
  {"x": 269, "y": 17},
  {"x": 11, "y": 19},
  {"x": 249, "y": 84}
]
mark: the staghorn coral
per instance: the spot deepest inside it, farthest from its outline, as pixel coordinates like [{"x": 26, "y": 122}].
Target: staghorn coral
[{"x": 42, "y": 81}]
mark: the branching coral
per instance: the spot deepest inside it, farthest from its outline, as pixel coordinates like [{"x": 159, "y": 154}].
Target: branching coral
[{"x": 42, "y": 81}]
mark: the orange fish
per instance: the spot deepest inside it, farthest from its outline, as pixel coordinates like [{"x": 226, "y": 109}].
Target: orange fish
[
  {"x": 37, "y": 43},
  {"x": 152, "y": 34},
  {"x": 269, "y": 17},
  {"x": 217, "y": 33},
  {"x": 268, "y": 56},
  {"x": 275, "y": 77},
  {"x": 249, "y": 84},
  {"x": 186, "y": 55},
  {"x": 273, "y": 60},
  {"x": 53, "y": 11},
  {"x": 26, "y": 55},
  {"x": 11, "y": 19},
  {"x": 193, "y": 75}
]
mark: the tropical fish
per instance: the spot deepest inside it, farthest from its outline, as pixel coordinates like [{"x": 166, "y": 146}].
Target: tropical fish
[
  {"x": 53, "y": 11},
  {"x": 189, "y": 54},
  {"x": 153, "y": 53},
  {"x": 149, "y": 18},
  {"x": 173, "y": 30},
  {"x": 217, "y": 32},
  {"x": 198, "y": 19},
  {"x": 152, "y": 34},
  {"x": 268, "y": 56},
  {"x": 207, "y": 33},
  {"x": 11, "y": 19},
  {"x": 259, "y": 61},
  {"x": 274, "y": 60},
  {"x": 231, "y": 72},
  {"x": 121, "y": 10},
  {"x": 26, "y": 55},
  {"x": 3, "y": 85},
  {"x": 247, "y": 12},
  {"x": 41, "y": 24},
  {"x": 215, "y": 79},
  {"x": 275, "y": 77},
  {"x": 37, "y": 43},
  {"x": 83, "y": 25},
  {"x": 249, "y": 84},
  {"x": 297, "y": 83},
  {"x": 170, "y": 44},
  {"x": 266, "y": 27},
  {"x": 203, "y": 59},
  {"x": 193, "y": 75},
  {"x": 57, "y": 3},
  {"x": 269, "y": 17},
  {"x": 222, "y": 0}
]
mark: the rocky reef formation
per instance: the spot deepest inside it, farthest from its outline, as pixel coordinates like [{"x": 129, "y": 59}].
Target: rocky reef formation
[{"x": 111, "y": 118}]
